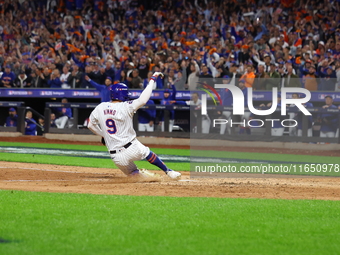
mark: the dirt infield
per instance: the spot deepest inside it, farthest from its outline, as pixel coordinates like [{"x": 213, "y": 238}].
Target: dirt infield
[{"x": 54, "y": 178}]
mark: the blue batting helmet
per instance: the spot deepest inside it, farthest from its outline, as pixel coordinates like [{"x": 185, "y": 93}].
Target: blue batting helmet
[{"x": 119, "y": 92}]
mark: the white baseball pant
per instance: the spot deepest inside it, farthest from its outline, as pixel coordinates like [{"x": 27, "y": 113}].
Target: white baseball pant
[
  {"x": 145, "y": 127},
  {"x": 171, "y": 124},
  {"x": 61, "y": 121},
  {"x": 327, "y": 134},
  {"x": 205, "y": 124},
  {"x": 246, "y": 117},
  {"x": 225, "y": 126},
  {"x": 278, "y": 131},
  {"x": 124, "y": 158}
]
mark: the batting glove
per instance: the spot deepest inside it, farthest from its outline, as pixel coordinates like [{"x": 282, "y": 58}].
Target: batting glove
[{"x": 155, "y": 75}]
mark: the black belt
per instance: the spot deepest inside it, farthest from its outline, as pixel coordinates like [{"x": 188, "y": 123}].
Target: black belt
[{"x": 125, "y": 146}]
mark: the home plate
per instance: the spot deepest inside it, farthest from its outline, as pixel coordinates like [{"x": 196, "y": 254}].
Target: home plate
[{"x": 187, "y": 180}]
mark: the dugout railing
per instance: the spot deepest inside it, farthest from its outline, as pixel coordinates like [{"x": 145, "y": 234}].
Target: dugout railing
[{"x": 78, "y": 106}]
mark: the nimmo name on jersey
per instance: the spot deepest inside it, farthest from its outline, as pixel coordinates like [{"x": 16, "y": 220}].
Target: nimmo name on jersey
[{"x": 109, "y": 112}]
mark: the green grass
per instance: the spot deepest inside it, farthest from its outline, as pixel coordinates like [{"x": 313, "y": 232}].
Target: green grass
[
  {"x": 196, "y": 153},
  {"x": 182, "y": 152},
  {"x": 56, "y": 146},
  {"x": 107, "y": 163},
  {"x": 81, "y": 161},
  {"x": 52, "y": 223}
]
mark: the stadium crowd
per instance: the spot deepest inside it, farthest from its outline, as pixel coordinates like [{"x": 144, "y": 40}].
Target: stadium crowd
[
  {"x": 55, "y": 43},
  {"x": 88, "y": 43}
]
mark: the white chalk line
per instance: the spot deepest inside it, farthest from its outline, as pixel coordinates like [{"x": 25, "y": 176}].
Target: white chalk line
[
  {"x": 88, "y": 180},
  {"x": 48, "y": 170}
]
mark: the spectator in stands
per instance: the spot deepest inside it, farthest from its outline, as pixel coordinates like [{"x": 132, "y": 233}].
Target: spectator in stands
[
  {"x": 290, "y": 79},
  {"x": 64, "y": 115},
  {"x": 273, "y": 79},
  {"x": 88, "y": 72},
  {"x": 55, "y": 82},
  {"x": 311, "y": 80},
  {"x": 223, "y": 32},
  {"x": 64, "y": 78},
  {"x": 337, "y": 71},
  {"x": 109, "y": 71},
  {"x": 180, "y": 80},
  {"x": 329, "y": 120},
  {"x": 260, "y": 82},
  {"x": 23, "y": 81},
  {"x": 193, "y": 76},
  {"x": 234, "y": 74},
  {"x": 16, "y": 69},
  {"x": 169, "y": 78},
  {"x": 98, "y": 74},
  {"x": 45, "y": 77},
  {"x": 265, "y": 63},
  {"x": 143, "y": 67},
  {"x": 123, "y": 77},
  {"x": 12, "y": 119},
  {"x": 30, "y": 124},
  {"x": 135, "y": 82},
  {"x": 205, "y": 73},
  {"x": 249, "y": 76},
  {"x": 327, "y": 80},
  {"x": 74, "y": 79},
  {"x": 34, "y": 80},
  {"x": 8, "y": 77}
]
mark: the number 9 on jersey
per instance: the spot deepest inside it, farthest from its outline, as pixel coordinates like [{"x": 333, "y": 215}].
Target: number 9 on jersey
[{"x": 110, "y": 123}]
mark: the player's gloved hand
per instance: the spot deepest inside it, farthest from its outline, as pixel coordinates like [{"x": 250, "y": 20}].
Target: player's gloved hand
[
  {"x": 156, "y": 74},
  {"x": 103, "y": 141}
]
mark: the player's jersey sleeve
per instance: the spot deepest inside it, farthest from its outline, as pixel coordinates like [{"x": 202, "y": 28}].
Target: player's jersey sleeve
[
  {"x": 94, "y": 122},
  {"x": 131, "y": 107},
  {"x": 143, "y": 98}
]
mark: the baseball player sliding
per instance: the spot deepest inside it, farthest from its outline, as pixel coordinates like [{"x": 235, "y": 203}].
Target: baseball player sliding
[{"x": 113, "y": 121}]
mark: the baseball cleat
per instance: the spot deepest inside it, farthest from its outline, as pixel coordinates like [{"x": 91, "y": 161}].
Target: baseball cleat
[
  {"x": 145, "y": 176},
  {"x": 145, "y": 173},
  {"x": 173, "y": 174}
]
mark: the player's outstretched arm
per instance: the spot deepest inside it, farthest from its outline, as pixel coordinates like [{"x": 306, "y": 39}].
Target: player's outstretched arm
[
  {"x": 94, "y": 84},
  {"x": 146, "y": 94}
]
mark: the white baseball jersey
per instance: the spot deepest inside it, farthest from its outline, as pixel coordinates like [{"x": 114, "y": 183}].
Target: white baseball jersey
[{"x": 115, "y": 121}]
